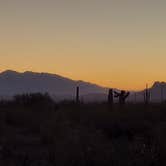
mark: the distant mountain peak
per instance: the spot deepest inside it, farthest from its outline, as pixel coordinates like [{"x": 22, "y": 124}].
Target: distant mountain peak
[
  {"x": 28, "y": 72},
  {"x": 158, "y": 84},
  {"x": 31, "y": 73},
  {"x": 9, "y": 72}
]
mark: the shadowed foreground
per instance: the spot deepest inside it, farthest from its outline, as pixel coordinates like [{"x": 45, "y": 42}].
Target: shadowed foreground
[{"x": 40, "y": 133}]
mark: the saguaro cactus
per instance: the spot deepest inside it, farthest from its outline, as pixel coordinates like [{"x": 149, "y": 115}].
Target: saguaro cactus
[
  {"x": 135, "y": 97},
  {"x": 77, "y": 94},
  {"x": 122, "y": 96},
  {"x": 162, "y": 93},
  {"x": 147, "y": 95},
  {"x": 110, "y": 97}
]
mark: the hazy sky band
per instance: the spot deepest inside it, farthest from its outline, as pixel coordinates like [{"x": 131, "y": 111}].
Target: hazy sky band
[{"x": 120, "y": 43}]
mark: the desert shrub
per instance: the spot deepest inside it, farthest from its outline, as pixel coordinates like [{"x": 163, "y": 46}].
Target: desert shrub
[{"x": 35, "y": 101}]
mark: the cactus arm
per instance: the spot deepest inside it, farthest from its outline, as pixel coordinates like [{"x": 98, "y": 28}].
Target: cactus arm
[
  {"x": 116, "y": 94},
  {"x": 126, "y": 95}
]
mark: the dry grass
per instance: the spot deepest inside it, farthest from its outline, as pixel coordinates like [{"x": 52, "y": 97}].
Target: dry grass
[{"x": 90, "y": 134}]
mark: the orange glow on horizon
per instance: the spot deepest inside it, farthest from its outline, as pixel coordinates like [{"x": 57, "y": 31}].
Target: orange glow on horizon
[
  {"x": 134, "y": 86},
  {"x": 111, "y": 43}
]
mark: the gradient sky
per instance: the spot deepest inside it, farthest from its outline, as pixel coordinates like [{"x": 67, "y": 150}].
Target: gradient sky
[{"x": 116, "y": 43}]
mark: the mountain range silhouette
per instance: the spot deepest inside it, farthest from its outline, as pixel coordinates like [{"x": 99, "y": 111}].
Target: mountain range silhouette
[{"x": 12, "y": 83}]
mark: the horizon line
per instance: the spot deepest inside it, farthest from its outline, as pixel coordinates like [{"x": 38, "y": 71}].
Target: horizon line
[{"x": 77, "y": 80}]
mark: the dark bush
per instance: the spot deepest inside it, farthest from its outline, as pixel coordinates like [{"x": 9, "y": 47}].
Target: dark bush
[{"x": 37, "y": 101}]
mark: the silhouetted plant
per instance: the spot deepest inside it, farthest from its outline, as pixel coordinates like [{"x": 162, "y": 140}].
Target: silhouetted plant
[
  {"x": 77, "y": 95},
  {"x": 147, "y": 95},
  {"x": 34, "y": 100},
  {"x": 122, "y": 96},
  {"x": 110, "y": 97}
]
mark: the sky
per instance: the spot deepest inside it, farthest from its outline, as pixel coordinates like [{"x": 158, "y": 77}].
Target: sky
[{"x": 113, "y": 43}]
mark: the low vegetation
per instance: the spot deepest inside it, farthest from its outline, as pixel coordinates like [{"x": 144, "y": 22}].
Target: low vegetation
[{"x": 34, "y": 130}]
